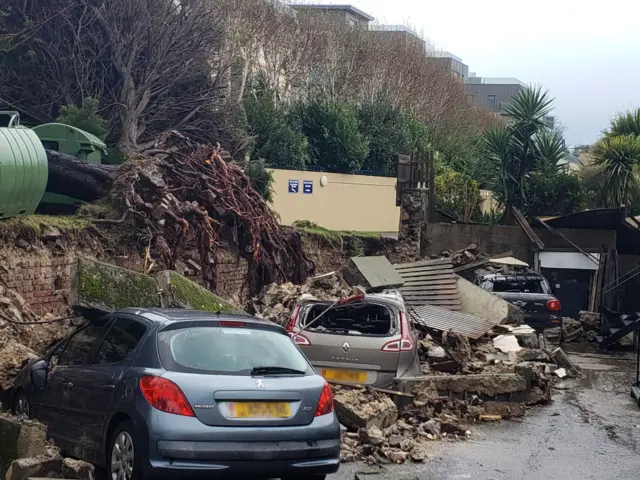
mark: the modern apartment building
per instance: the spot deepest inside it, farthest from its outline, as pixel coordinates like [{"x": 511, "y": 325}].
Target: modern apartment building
[
  {"x": 342, "y": 13},
  {"x": 398, "y": 33},
  {"x": 493, "y": 94},
  {"x": 451, "y": 62}
]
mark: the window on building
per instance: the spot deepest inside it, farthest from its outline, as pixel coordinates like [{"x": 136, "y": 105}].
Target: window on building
[
  {"x": 492, "y": 99},
  {"x": 122, "y": 339}
]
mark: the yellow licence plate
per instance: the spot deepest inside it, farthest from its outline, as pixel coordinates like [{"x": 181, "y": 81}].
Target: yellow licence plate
[
  {"x": 259, "y": 410},
  {"x": 351, "y": 376}
]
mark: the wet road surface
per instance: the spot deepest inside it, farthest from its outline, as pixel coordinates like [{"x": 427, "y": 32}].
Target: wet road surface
[{"x": 590, "y": 431}]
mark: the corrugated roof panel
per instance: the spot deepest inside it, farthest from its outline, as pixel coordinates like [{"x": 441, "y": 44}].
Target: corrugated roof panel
[
  {"x": 429, "y": 282},
  {"x": 444, "y": 320}
]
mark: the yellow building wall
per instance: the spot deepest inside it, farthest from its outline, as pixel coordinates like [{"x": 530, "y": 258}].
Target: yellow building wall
[{"x": 348, "y": 202}]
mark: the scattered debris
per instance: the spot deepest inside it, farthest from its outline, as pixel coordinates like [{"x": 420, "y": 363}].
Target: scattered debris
[
  {"x": 357, "y": 408},
  {"x": 571, "y": 331},
  {"x": 276, "y": 302},
  {"x": 507, "y": 343},
  {"x": 590, "y": 321},
  {"x": 560, "y": 373},
  {"x": 562, "y": 361},
  {"x": 21, "y": 337}
]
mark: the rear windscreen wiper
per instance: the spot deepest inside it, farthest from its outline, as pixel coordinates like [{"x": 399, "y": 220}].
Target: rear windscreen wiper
[{"x": 273, "y": 370}]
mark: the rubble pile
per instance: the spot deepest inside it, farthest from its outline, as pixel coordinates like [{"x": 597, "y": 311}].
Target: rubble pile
[
  {"x": 21, "y": 339},
  {"x": 378, "y": 433},
  {"x": 462, "y": 257},
  {"x": 26, "y": 453},
  {"x": 276, "y": 302}
]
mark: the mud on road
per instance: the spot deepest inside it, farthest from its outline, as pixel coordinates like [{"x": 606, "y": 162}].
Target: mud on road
[{"x": 590, "y": 431}]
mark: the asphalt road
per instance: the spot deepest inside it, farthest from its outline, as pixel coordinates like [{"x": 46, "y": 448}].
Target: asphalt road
[{"x": 590, "y": 431}]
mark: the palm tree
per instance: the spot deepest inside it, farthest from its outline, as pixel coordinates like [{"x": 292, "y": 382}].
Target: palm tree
[
  {"x": 520, "y": 145},
  {"x": 626, "y": 123},
  {"x": 618, "y": 160},
  {"x": 550, "y": 150}
]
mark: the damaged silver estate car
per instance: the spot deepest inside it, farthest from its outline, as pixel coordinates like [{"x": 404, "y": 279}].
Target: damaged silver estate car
[{"x": 365, "y": 339}]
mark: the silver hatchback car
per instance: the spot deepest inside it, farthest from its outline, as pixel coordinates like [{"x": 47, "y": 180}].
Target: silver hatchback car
[{"x": 366, "y": 340}]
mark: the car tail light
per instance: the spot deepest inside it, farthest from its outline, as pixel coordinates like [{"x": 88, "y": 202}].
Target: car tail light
[
  {"x": 226, "y": 323},
  {"x": 405, "y": 344},
  {"x": 553, "y": 305},
  {"x": 165, "y": 395},
  {"x": 325, "y": 405},
  {"x": 301, "y": 340},
  {"x": 291, "y": 324}
]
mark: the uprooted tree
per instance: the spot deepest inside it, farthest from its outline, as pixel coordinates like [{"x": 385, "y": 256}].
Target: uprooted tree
[{"x": 181, "y": 195}]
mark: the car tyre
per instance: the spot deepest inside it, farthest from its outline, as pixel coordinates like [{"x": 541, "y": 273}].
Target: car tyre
[
  {"x": 21, "y": 405},
  {"x": 123, "y": 454}
]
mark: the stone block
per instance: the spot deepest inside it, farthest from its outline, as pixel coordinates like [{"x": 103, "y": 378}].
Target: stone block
[
  {"x": 40, "y": 466},
  {"x": 481, "y": 384},
  {"x": 20, "y": 439}
]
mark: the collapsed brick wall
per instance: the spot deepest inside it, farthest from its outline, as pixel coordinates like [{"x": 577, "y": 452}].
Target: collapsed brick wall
[{"x": 41, "y": 277}]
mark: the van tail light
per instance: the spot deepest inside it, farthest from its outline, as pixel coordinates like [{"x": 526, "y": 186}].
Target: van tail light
[
  {"x": 291, "y": 324},
  {"x": 553, "y": 305},
  {"x": 325, "y": 405},
  {"x": 301, "y": 340},
  {"x": 405, "y": 344},
  {"x": 165, "y": 395}
]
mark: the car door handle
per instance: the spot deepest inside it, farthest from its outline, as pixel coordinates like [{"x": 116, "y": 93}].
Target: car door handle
[
  {"x": 108, "y": 387},
  {"x": 68, "y": 385}
]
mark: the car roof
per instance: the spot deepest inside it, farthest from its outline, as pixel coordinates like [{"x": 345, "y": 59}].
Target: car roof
[
  {"x": 170, "y": 315},
  {"x": 515, "y": 276}
]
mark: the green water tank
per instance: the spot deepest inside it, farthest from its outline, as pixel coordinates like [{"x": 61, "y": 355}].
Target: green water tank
[
  {"x": 23, "y": 168},
  {"x": 72, "y": 141}
]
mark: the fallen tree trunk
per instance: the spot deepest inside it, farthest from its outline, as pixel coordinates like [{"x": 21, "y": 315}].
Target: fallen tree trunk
[{"x": 76, "y": 178}]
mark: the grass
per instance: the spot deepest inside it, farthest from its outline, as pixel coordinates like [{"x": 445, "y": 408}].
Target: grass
[
  {"x": 351, "y": 243},
  {"x": 34, "y": 225}
]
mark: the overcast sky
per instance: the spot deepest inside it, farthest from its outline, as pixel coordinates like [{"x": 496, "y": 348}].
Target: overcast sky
[{"x": 586, "y": 53}]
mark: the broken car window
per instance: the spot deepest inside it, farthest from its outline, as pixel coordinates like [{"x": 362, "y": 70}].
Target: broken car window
[{"x": 360, "y": 318}]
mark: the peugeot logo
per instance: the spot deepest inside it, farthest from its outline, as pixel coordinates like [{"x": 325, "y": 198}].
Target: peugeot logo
[
  {"x": 259, "y": 383},
  {"x": 346, "y": 347}
]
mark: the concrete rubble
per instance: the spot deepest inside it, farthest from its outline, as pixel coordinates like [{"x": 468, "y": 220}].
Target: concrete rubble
[
  {"x": 26, "y": 453},
  {"x": 276, "y": 302},
  {"x": 20, "y": 339}
]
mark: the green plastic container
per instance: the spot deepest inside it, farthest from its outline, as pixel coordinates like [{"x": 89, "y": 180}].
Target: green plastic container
[
  {"x": 23, "y": 169},
  {"x": 72, "y": 141}
]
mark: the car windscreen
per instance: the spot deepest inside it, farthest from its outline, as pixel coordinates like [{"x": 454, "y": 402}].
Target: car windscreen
[
  {"x": 227, "y": 350},
  {"x": 362, "y": 318},
  {"x": 516, "y": 285}
]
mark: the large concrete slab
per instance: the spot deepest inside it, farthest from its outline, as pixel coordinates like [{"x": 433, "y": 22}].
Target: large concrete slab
[
  {"x": 372, "y": 273},
  {"x": 489, "y": 385}
]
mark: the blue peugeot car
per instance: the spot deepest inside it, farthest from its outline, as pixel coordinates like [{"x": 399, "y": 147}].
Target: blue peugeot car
[{"x": 148, "y": 393}]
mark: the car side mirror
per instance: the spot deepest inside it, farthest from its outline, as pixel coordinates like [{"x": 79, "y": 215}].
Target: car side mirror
[{"x": 39, "y": 373}]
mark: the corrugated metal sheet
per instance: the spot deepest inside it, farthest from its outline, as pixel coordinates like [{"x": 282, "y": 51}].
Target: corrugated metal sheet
[
  {"x": 444, "y": 320},
  {"x": 430, "y": 282}
]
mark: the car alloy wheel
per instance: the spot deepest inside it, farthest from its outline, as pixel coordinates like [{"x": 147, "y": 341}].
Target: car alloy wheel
[
  {"x": 22, "y": 407},
  {"x": 122, "y": 457}
]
